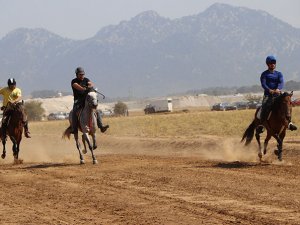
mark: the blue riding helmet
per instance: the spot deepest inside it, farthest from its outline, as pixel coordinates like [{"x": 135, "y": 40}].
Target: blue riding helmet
[{"x": 270, "y": 59}]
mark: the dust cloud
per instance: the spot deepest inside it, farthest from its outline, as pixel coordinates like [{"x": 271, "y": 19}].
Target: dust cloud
[{"x": 49, "y": 149}]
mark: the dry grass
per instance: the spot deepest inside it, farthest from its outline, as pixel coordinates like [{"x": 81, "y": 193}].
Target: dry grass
[{"x": 191, "y": 124}]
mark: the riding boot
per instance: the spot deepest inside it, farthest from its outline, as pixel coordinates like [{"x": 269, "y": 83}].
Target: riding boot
[
  {"x": 99, "y": 123},
  {"x": 26, "y": 130},
  {"x": 291, "y": 126}
]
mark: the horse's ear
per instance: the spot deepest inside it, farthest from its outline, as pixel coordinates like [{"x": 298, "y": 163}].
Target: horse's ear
[{"x": 291, "y": 94}]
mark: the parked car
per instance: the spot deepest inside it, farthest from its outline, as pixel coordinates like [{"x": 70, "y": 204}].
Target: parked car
[
  {"x": 254, "y": 105},
  {"x": 223, "y": 106},
  {"x": 149, "y": 109},
  {"x": 241, "y": 105},
  {"x": 58, "y": 116}
]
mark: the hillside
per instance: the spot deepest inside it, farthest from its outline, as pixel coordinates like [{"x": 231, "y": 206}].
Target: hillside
[{"x": 150, "y": 55}]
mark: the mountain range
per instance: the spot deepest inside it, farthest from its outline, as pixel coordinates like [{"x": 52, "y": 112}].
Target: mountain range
[{"x": 150, "y": 55}]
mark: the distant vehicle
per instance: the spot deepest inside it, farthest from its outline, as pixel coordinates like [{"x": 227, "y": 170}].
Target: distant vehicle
[
  {"x": 58, "y": 116},
  {"x": 163, "y": 105},
  {"x": 106, "y": 112},
  {"x": 223, "y": 106},
  {"x": 241, "y": 105},
  {"x": 296, "y": 102},
  {"x": 253, "y": 105}
]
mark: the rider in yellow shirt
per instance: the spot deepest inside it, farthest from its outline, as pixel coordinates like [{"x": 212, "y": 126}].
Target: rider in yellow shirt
[{"x": 11, "y": 95}]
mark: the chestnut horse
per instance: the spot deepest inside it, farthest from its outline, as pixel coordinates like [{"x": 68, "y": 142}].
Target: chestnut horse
[
  {"x": 14, "y": 130},
  {"x": 276, "y": 125}
]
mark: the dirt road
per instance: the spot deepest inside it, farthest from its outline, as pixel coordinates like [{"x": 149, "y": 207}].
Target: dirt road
[{"x": 150, "y": 181}]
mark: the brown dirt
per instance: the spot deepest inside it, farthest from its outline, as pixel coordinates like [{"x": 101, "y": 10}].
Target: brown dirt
[{"x": 209, "y": 180}]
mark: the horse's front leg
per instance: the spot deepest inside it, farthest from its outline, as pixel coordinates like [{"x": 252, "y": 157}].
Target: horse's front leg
[
  {"x": 84, "y": 144},
  {"x": 94, "y": 140},
  {"x": 268, "y": 137},
  {"x": 87, "y": 138},
  {"x": 16, "y": 154},
  {"x": 79, "y": 148},
  {"x": 279, "y": 139}
]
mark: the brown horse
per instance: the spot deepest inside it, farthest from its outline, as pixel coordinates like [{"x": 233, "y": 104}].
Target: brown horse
[
  {"x": 276, "y": 125},
  {"x": 14, "y": 130}
]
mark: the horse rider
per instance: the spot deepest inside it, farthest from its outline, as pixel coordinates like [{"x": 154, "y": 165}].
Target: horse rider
[
  {"x": 11, "y": 94},
  {"x": 80, "y": 84},
  {"x": 272, "y": 82}
]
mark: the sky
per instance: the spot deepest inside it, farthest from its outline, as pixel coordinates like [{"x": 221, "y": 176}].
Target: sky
[{"x": 82, "y": 19}]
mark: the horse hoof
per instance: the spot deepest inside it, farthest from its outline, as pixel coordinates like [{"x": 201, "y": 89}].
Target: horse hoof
[
  {"x": 82, "y": 162},
  {"x": 18, "y": 161},
  {"x": 276, "y": 152},
  {"x": 95, "y": 161},
  {"x": 95, "y": 146},
  {"x": 84, "y": 151},
  {"x": 3, "y": 156},
  {"x": 265, "y": 152},
  {"x": 260, "y": 155}
]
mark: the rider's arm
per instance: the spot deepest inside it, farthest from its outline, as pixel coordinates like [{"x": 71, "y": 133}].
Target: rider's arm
[
  {"x": 19, "y": 98},
  {"x": 280, "y": 81},
  {"x": 263, "y": 82},
  {"x": 90, "y": 84},
  {"x": 78, "y": 87}
]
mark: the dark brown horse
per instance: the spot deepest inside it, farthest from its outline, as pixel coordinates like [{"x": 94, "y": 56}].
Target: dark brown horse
[
  {"x": 14, "y": 130},
  {"x": 276, "y": 124}
]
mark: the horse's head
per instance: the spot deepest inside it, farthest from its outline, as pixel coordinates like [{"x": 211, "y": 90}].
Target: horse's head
[
  {"x": 17, "y": 107},
  {"x": 92, "y": 100},
  {"x": 283, "y": 103}
]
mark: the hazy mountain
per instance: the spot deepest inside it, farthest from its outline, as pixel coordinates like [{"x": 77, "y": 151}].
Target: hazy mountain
[{"x": 152, "y": 56}]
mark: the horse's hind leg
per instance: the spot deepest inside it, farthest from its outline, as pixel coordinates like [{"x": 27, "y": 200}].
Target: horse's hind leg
[
  {"x": 79, "y": 149},
  {"x": 4, "y": 149},
  {"x": 258, "y": 131}
]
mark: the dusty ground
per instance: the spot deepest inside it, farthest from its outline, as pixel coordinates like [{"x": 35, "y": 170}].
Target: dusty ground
[{"x": 208, "y": 180}]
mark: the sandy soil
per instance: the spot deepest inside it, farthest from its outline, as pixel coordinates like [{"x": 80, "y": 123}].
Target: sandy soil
[{"x": 208, "y": 180}]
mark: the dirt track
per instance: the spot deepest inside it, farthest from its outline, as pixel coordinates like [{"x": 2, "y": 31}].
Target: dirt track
[{"x": 150, "y": 181}]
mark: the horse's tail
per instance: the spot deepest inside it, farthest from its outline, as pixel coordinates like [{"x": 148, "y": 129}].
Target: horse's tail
[
  {"x": 67, "y": 133},
  {"x": 249, "y": 133}
]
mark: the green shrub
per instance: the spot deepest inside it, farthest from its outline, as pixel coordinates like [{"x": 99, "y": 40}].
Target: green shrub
[
  {"x": 121, "y": 109},
  {"x": 34, "y": 110}
]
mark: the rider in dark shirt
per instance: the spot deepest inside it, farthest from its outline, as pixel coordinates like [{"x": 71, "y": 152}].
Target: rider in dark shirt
[{"x": 80, "y": 84}]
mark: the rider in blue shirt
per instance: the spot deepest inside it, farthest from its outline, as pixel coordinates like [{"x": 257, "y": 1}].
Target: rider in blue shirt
[{"x": 272, "y": 82}]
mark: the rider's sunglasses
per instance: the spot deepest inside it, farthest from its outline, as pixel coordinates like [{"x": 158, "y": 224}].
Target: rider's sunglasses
[
  {"x": 272, "y": 62},
  {"x": 81, "y": 74}
]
